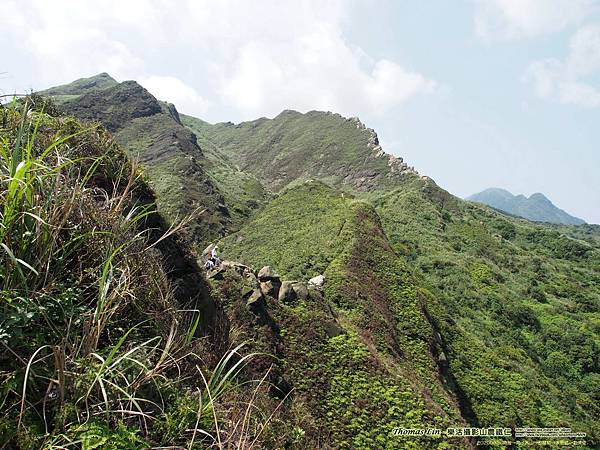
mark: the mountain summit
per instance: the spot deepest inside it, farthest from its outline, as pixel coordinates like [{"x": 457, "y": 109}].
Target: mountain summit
[{"x": 537, "y": 208}]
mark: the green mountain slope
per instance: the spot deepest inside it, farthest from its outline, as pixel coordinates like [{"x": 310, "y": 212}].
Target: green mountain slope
[
  {"x": 434, "y": 312},
  {"x": 294, "y": 146},
  {"x": 536, "y": 208},
  {"x": 363, "y": 356},
  {"x": 60, "y": 94},
  {"x": 515, "y": 305},
  {"x": 510, "y": 299},
  {"x": 518, "y": 298},
  {"x": 150, "y": 131}
]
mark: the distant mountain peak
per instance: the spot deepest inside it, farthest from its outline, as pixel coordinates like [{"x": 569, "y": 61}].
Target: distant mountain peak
[
  {"x": 539, "y": 196},
  {"x": 537, "y": 207},
  {"x": 83, "y": 85}
]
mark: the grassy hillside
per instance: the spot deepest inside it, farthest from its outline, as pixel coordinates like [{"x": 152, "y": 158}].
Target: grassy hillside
[
  {"x": 363, "y": 358},
  {"x": 243, "y": 192},
  {"x": 505, "y": 312},
  {"x": 295, "y": 146},
  {"x": 150, "y": 131},
  {"x": 110, "y": 337},
  {"x": 521, "y": 308}
]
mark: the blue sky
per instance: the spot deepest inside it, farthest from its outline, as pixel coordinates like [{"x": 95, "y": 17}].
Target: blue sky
[{"x": 474, "y": 93}]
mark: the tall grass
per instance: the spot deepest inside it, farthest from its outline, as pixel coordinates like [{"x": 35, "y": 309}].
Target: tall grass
[{"x": 94, "y": 347}]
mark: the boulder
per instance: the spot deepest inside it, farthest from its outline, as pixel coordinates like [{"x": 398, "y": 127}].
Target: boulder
[
  {"x": 216, "y": 273},
  {"x": 286, "y": 292},
  {"x": 270, "y": 288},
  {"x": 256, "y": 301},
  {"x": 301, "y": 291},
  {"x": 247, "y": 291},
  {"x": 267, "y": 273},
  {"x": 317, "y": 281}
]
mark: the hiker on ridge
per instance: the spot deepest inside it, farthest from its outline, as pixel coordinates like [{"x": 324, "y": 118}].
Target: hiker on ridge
[{"x": 213, "y": 256}]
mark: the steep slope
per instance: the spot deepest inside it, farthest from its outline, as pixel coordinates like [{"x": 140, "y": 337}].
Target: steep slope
[
  {"x": 521, "y": 306},
  {"x": 363, "y": 355},
  {"x": 242, "y": 191},
  {"x": 316, "y": 145},
  {"x": 150, "y": 131},
  {"x": 102, "y": 312},
  {"x": 536, "y": 208},
  {"x": 505, "y": 312}
]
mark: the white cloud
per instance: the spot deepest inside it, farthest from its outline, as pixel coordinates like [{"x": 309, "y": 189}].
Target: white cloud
[
  {"x": 246, "y": 58},
  {"x": 565, "y": 81},
  {"x": 510, "y": 19},
  {"x": 315, "y": 69},
  {"x": 173, "y": 90}
]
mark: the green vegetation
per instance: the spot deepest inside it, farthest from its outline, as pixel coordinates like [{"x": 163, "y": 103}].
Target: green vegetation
[
  {"x": 521, "y": 309},
  {"x": 294, "y": 147},
  {"x": 242, "y": 192},
  {"x": 434, "y": 313},
  {"x": 150, "y": 132},
  {"x": 366, "y": 338},
  {"x": 299, "y": 233},
  {"x": 98, "y": 347}
]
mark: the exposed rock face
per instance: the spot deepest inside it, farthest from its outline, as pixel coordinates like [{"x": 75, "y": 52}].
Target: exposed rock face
[
  {"x": 270, "y": 288},
  {"x": 267, "y": 273},
  {"x": 256, "y": 301},
  {"x": 286, "y": 292},
  {"x": 151, "y": 132},
  {"x": 300, "y": 290}
]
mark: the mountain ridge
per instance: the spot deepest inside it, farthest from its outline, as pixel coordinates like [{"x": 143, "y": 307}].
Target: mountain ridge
[{"x": 433, "y": 311}]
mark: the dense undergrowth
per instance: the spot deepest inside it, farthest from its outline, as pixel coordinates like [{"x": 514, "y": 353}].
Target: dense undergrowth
[
  {"x": 358, "y": 353},
  {"x": 521, "y": 305},
  {"x": 498, "y": 312},
  {"x": 97, "y": 351}
]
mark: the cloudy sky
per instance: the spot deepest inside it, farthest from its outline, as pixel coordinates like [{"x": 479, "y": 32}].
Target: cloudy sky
[{"x": 474, "y": 93}]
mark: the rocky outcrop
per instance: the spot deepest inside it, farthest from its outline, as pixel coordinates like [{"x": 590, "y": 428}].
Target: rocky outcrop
[
  {"x": 293, "y": 290},
  {"x": 270, "y": 288},
  {"x": 256, "y": 301},
  {"x": 286, "y": 292},
  {"x": 300, "y": 290},
  {"x": 267, "y": 273}
]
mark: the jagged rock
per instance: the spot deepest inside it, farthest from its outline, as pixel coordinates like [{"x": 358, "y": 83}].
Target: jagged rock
[
  {"x": 242, "y": 269},
  {"x": 256, "y": 301},
  {"x": 287, "y": 292},
  {"x": 247, "y": 291},
  {"x": 267, "y": 273},
  {"x": 270, "y": 288},
  {"x": 216, "y": 274},
  {"x": 301, "y": 290},
  {"x": 317, "y": 281}
]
